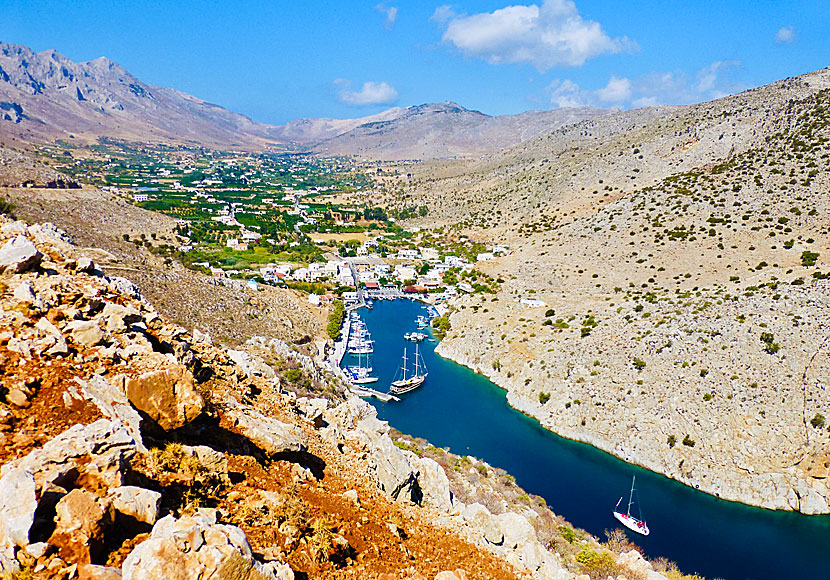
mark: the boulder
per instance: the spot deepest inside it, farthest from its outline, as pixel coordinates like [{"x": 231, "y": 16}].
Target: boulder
[
  {"x": 195, "y": 547},
  {"x": 313, "y": 409},
  {"x": 118, "y": 318},
  {"x": 270, "y": 435},
  {"x": 251, "y": 366},
  {"x": 516, "y": 529},
  {"x": 17, "y": 397},
  {"x": 168, "y": 396},
  {"x": 19, "y": 255},
  {"x": 80, "y": 523},
  {"x": 85, "y": 265},
  {"x": 99, "y": 451},
  {"x": 113, "y": 404},
  {"x": 434, "y": 484},
  {"x": 123, "y": 286},
  {"x": 24, "y": 293},
  {"x": 85, "y": 332},
  {"x": 18, "y": 503},
  {"x": 483, "y": 524},
  {"x": 139, "y": 503}
]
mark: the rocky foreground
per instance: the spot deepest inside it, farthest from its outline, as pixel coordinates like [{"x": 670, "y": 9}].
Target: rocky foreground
[{"x": 132, "y": 448}]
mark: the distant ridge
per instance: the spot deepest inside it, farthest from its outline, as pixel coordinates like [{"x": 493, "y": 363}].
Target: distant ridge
[
  {"x": 441, "y": 130},
  {"x": 44, "y": 96}
]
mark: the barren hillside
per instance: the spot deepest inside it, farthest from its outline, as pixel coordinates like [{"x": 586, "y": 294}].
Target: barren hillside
[{"x": 681, "y": 256}]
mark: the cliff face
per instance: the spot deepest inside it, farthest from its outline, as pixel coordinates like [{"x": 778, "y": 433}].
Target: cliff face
[{"x": 133, "y": 448}]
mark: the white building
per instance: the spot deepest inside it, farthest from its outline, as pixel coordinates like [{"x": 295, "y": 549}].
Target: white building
[
  {"x": 483, "y": 256},
  {"x": 404, "y": 272},
  {"x": 408, "y": 254},
  {"x": 139, "y": 197},
  {"x": 532, "y": 302},
  {"x": 429, "y": 254}
]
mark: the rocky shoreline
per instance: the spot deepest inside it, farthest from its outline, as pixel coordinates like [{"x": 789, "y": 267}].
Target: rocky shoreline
[{"x": 783, "y": 490}]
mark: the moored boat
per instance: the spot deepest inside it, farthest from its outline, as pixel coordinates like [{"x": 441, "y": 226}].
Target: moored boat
[{"x": 634, "y": 524}]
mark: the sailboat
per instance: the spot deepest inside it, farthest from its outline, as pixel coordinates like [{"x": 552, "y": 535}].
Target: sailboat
[
  {"x": 360, "y": 374},
  {"x": 415, "y": 380},
  {"x": 626, "y": 519}
]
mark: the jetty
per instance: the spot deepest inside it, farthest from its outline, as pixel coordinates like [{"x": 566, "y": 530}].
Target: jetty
[{"x": 367, "y": 392}]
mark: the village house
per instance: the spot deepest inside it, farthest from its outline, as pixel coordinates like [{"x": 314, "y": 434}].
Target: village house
[
  {"x": 430, "y": 254},
  {"x": 408, "y": 254}
]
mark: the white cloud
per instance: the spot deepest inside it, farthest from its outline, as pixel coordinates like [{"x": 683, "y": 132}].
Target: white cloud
[
  {"x": 708, "y": 76},
  {"x": 617, "y": 90},
  {"x": 443, "y": 13},
  {"x": 710, "y": 82},
  {"x": 643, "y": 102},
  {"x": 785, "y": 35},
  {"x": 553, "y": 34},
  {"x": 566, "y": 94},
  {"x": 390, "y": 15},
  {"x": 371, "y": 93}
]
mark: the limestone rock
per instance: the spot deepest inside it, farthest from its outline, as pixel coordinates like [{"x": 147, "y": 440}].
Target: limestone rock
[
  {"x": 312, "y": 410},
  {"x": 167, "y": 396},
  {"x": 85, "y": 265},
  {"x": 483, "y": 524},
  {"x": 434, "y": 484},
  {"x": 142, "y": 504},
  {"x": 251, "y": 366},
  {"x": 17, "y": 507},
  {"x": 113, "y": 403},
  {"x": 268, "y": 434},
  {"x": 80, "y": 524},
  {"x": 117, "y": 318},
  {"x": 195, "y": 547},
  {"x": 124, "y": 286},
  {"x": 19, "y": 255},
  {"x": 24, "y": 293},
  {"x": 85, "y": 332},
  {"x": 99, "y": 450}
]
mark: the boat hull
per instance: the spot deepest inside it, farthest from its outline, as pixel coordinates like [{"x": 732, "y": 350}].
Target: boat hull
[
  {"x": 401, "y": 387},
  {"x": 632, "y": 524}
]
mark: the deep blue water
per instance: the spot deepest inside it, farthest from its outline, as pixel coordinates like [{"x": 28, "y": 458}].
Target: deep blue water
[{"x": 459, "y": 409}]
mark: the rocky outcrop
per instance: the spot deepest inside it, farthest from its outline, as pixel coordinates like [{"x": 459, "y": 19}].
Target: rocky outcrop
[
  {"x": 270, "y": 435},
  {"x": 168, "y": 396},
  {"x": 19, "y": 255},
  {"x": 197, "y": 547}
]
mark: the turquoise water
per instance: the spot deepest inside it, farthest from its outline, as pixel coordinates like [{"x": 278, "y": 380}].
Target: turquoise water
[{"x": 459, "y": 409}]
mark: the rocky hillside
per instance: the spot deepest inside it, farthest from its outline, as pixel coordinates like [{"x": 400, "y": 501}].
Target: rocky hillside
[
  {"x": 441, "y": 130},
  {"x": 311, "y": 131},
  {"x": 45, "y": 96},
  {"x": 680, "y": 255},
  {"x": 133, "y": 448}
]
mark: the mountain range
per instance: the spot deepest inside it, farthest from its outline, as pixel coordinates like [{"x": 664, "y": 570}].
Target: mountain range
[{"x": 44, "y": 96}]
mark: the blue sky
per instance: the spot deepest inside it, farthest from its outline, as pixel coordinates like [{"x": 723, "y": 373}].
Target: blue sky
[{"x": 277, "y": 60}]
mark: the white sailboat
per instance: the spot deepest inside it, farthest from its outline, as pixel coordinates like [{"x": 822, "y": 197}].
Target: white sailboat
[
  {"x": 415, "y": 380},
  {"x": 626, "y": 519},
  {"x": 361, "y": 373}
]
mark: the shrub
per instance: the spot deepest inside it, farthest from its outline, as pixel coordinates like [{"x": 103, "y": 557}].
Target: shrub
[
  {"x": 808, "y": 258},
  {"x": 672, "y": 440},
  {"x": 817, "y": 421},
  {"x": 639, "y": 364},
  {"x": 688, "y": 441},
  {"x": 544, "y": 398}
]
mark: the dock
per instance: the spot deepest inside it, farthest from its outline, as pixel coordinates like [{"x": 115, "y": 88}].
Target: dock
[{"x": 366, "y": 392}]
